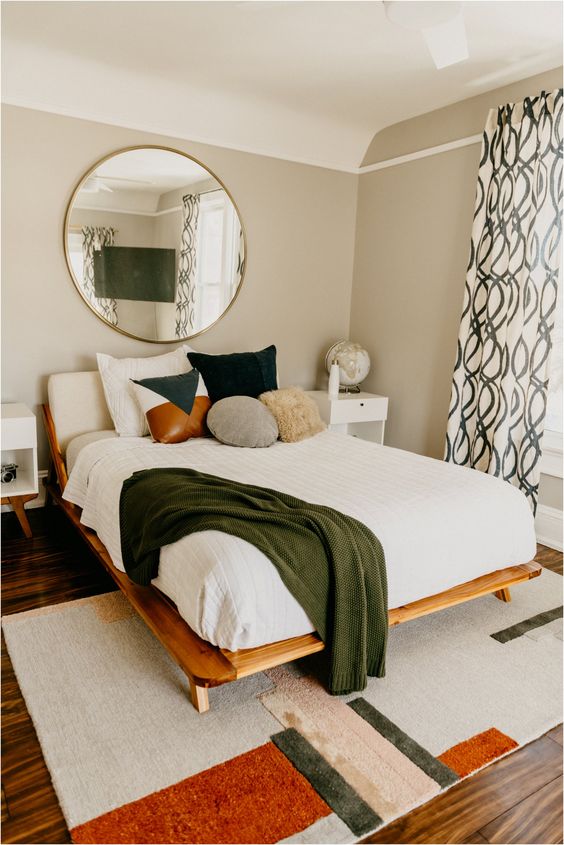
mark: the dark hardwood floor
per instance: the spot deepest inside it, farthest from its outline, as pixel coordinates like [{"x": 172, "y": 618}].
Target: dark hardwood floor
[{"x": 518, "y": 799}]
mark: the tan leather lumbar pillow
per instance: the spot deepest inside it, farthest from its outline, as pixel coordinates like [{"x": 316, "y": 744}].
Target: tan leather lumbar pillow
[
  {"x": 176, "y": 407},
  {"x": 295, "y": 412}
]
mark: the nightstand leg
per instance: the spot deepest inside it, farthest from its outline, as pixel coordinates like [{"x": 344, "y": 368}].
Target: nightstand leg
[{"x": 17, "y": 503}]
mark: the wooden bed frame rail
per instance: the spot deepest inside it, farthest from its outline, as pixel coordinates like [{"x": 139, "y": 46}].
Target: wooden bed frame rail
[{"x": 207, "y": 665}]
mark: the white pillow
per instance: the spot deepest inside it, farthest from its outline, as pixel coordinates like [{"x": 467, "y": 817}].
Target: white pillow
[{"x": 116, "y": 374}]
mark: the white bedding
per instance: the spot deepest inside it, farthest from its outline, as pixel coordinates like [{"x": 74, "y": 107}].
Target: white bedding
[{"x": 439, "y": 524}]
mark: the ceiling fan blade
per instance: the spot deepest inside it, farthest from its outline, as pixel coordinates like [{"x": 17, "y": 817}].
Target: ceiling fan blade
[
  {"x": 110, "y": 178},
  {"x": 447, "y": 42},
  {"x": 94, "y": 185},
  {"x": 107, "y": 177}
]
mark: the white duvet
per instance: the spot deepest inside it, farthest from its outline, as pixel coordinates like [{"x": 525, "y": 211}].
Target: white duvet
[{"x": 439, "y": 524}]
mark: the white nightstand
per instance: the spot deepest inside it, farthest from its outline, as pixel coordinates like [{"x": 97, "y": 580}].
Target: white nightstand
[
  {"x": 19, "y": 446},
  {"x": 361, "y": 414}
]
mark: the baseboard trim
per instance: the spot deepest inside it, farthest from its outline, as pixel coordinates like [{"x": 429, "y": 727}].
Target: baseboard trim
[
  {"x": 548, "y": 526},
  {"x": 35, "y": 503}
]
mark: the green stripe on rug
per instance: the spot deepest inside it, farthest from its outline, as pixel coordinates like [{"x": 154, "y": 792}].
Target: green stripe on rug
[
  {"x": 514, "y": 631},
  {"x": 334, "y": 789},
  {"x": 436, "y": 770}
]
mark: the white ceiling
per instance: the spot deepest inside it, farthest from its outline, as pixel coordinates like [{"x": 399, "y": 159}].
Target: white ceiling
[
  {"x": 156, "y": 171},
  {"x": 139, "y": 178},
  {"x": 308, "y": 81}
]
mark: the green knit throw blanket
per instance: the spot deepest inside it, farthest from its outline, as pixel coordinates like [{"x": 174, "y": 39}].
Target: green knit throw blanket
[{"x": 331, "y": 563}]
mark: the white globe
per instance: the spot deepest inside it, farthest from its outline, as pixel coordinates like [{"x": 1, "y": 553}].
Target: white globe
[{"x": 353, "y": 361}]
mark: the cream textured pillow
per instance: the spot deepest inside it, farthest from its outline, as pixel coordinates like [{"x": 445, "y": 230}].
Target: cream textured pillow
[
  {"x": 116, "y": 373},
  {"x": 295, "y": 412}
]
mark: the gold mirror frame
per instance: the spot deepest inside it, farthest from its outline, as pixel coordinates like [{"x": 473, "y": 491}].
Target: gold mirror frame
[{"x": 66, "y": 225}]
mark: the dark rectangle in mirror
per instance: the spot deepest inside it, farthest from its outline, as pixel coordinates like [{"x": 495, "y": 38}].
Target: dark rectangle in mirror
[{"x": 146, "y": 274}]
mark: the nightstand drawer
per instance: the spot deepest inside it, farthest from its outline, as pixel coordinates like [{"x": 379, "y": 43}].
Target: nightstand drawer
[
  {"x": 353, "y": 410},
  {"x": 18, "y": 432}
]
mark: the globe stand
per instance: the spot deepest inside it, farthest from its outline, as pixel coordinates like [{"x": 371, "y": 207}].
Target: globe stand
[{"x": 353, "y": 362}]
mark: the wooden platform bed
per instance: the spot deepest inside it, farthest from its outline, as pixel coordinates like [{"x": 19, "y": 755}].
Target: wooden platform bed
[{"x": 209, "y": 666}]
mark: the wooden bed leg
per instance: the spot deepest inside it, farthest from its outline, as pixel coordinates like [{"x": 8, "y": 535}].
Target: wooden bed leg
[
  {"x": 503, "y": 595},
  {"x": 199, "y": 697},
  {"x": 47, "y": 482},
  {"x": 49, "y": 500}
]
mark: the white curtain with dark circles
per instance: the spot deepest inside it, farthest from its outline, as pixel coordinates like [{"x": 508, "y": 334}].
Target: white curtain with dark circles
[
  {"x": 499, "y": 389},
  {"x": 93, "y": 239},
  {"x": 186, "y": 284}
]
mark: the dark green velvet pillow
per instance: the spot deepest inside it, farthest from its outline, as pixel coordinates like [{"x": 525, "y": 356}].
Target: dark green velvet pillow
[{"x": 237, "y": 374}]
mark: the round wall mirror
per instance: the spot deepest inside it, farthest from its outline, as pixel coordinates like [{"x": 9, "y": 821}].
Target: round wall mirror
[{"x": 154, "y": 244}]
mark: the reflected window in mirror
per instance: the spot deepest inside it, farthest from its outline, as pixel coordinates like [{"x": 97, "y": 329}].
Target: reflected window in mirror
[{"x": 219, "y": 258}]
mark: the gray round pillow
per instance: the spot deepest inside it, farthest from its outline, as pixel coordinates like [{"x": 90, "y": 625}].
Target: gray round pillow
[{"x": 242, "y": 421}]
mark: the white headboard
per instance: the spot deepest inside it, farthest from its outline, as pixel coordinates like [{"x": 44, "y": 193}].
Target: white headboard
[{"x": 77, "y": 405}]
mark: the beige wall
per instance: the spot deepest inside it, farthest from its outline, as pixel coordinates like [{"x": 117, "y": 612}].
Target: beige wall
[
  {"x": 131, "y": 229},
  {"x": 550, "y": 492},
  {"x": 413, "y": 232},
  {"x": 296, "y": 294},
  {"x": 412, "y": 239},
  {"x": 459, "y": 120}
]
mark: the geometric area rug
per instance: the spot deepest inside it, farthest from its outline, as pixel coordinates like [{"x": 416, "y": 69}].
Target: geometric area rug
[{"x": 277, "y": 759}]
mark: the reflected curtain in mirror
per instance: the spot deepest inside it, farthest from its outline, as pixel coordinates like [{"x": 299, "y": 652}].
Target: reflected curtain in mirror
[
  {"x": 93, "y": 239},
  {"x": 186, "y": 286}
]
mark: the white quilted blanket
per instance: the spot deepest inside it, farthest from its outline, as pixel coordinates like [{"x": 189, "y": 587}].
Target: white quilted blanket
[{"x": 439, "y": 524}]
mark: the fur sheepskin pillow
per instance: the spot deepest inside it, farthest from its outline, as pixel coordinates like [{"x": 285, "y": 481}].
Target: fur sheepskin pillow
[{"x": 295, "y": 412}]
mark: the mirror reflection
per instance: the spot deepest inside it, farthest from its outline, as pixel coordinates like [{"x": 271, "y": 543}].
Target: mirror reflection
[{"x": 155, "y": 244}]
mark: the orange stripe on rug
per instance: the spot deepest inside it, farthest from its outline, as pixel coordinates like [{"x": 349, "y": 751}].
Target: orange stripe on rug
[
  {"x": 256, "y": 797},
  {"x": 473, "y": 753}
]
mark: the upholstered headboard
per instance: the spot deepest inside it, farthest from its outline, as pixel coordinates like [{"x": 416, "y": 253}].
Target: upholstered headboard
[{"x": 77, "y": 405}]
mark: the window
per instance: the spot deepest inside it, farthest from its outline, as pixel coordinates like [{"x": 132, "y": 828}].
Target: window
[{"x": 217, "y": 251}]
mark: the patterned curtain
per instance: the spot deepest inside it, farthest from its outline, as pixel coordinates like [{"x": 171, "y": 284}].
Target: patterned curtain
[
  {"x": 241, "y": 258},
  {"x": 94, "y": 238},
  {"x": 499, "y": 389},
  {"x": 186, "y": 287}
]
